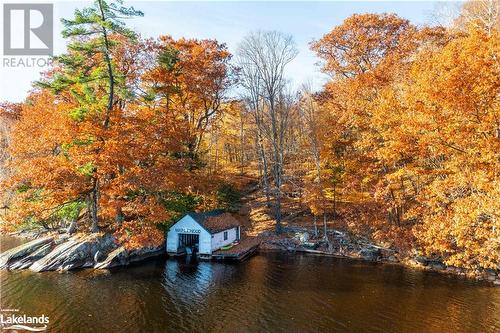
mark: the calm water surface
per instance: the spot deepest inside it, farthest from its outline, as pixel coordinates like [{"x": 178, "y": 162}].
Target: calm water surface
[{"x": 267, "y": 293}]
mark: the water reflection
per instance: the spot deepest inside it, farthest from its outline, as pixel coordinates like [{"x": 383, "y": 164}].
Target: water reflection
[
  {"x": 187, "y": 281},
  {"x": 276, "y": 292}
]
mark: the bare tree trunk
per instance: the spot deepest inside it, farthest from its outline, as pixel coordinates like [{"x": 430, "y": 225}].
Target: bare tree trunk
[
  {"x": 259, "y": 158},
  {"x": 263, "y": 57},
  {"x": 119, "y": 216},
  {"x": 73, "y": 226},
  {"x": 242, "y": 151},
  {"x": 107, "y": 58},
  {"x": 277, "y": 163},
  {"x": 325, "y": 230},
  {"x": 277, "y": 211},
  {"x": 93, "y": 205},
  {"x": 396, "y": 212},
  {"x": 267, "y": 190},
  {"x": 315, "y": 226},
  {"x": 263, "y": 169},
  {"x": 335, "y": 200}
]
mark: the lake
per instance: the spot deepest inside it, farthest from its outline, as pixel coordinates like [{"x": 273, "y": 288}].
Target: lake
[{"x": 272, "y": 292}]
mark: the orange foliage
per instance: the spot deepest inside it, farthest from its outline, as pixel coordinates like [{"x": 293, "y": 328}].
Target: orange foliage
[
  {"x": 401, "y": 145},
  {"x": 416, "y": 112},
  {"x": 190, "y": 80},
  {"x": 63, "y": 148}
]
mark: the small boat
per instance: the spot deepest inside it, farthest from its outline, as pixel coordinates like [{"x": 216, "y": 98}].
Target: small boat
[
  {"x": 227, "y": 247},
  {"x": 310, "y": 245}
]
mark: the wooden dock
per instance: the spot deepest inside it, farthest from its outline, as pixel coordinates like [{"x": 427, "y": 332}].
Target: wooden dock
[{"x": 243, "y": 250}]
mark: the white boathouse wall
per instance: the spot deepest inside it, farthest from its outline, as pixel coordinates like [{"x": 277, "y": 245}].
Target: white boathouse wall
[
  {"x": 218, "y": 238},
  {"x": 187, "y": 225}
]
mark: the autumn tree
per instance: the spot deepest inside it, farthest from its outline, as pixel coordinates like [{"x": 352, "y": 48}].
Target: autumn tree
[
  {"x": 190, "y": 78},
  {"x": 97, "y": 150},
  {"x": 362, "y": 55},
  {"x": 9, "y": 113},
  {"x": 88, "y": 73},
  {"x": 230, "y": 142},
  {"x": 263, "y": 56},
  {"x": 453, "y": 109},
  {"x": 44, "y": 180},
  {"x": 413, "y": 110},
  {"x": 482, "y": 14},
  {"x": 363, "y": 43},
  {"x": 315, "y": 192}
]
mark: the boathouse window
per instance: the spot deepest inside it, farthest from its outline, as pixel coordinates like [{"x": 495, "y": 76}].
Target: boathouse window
[{"x": 225, "y": 235}]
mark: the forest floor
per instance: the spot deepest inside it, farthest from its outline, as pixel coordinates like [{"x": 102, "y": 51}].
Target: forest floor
[{"x": 257, "y": 216}]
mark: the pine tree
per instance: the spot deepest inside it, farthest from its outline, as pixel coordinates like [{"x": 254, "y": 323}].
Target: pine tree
[{"x": 90, "y": 75}]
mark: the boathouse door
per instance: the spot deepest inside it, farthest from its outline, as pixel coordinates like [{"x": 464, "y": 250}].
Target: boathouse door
[{"x": 189, "y": 240}]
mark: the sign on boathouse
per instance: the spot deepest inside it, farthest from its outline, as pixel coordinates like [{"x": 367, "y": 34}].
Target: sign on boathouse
[{"x": 202, "y": 233}]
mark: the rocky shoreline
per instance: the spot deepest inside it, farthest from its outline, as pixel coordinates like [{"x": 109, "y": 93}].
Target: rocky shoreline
[
  {"x": 341, "y": 245},
  {"x": 63, "y": 252},
  {"x": 51, "y": 252}
]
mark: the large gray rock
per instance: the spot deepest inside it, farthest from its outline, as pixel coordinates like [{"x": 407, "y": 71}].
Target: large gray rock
[
  {"x": 79, "y": 251},
  {"x": 122, "y": 257},
  {"x": 436, "y": 265},
  {"x": 302, "y": 237},
  {"x": 146, "y": 252},
  {"x": 370, "y": 253},
  {"x": 32, "y": 234},
  {"x": 27, "y": 261},
  {"x": 9, "y": 257},
  {"x": 76, "y": 252},
  {"x": 422, "y": 260},
  {"x": 118, "y": 257}
]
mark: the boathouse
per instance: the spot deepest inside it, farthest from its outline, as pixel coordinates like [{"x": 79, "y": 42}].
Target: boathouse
[{"x": 202, "y": 233}]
